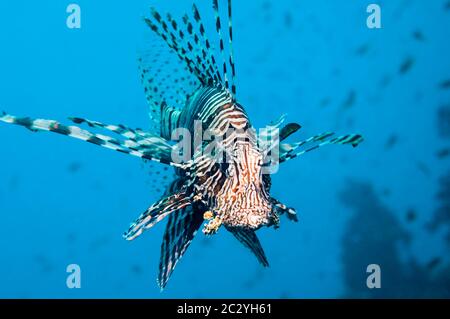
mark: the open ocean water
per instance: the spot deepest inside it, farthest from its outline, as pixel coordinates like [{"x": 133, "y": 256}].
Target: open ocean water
[{"x": 386, "y": 202}]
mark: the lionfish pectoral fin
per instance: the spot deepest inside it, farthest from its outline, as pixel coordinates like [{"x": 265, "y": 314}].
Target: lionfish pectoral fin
[
  {"x": 281, "y": 209},
  {"x": 156, "y": 213},
  {"x": 144, "y": 145},
  {"x": 270, "y": 137},
  {"x": 288, "y": 130},
  {"x": 290, "y": 151},
  {"x": 181, "y": 228},
  {"x": 249, "y": 239}
]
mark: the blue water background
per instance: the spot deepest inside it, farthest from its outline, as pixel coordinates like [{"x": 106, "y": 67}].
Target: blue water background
[{"x": 63, "y": 201}]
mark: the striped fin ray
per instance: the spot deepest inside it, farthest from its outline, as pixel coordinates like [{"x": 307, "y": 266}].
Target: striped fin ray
[
  {"x": 146, "y": 64},
  {"x": 197, "y": 50},
  {"x": 193, "y": 52},
  {"x": 129, "y": 133},
  {"x": 211, "y": 59},
  {"x": 230, "y": 37},
  {"x": 172, "y": 43},
  {"x": 157, "y": 212},
  {"x": 159, "y": 151},
  {"x": 136, "y": 138},
  {"x": 166, "y": 81},
  {"x": 249, "y": 239},
  {"x": 221, "y": 43},
  {"x": 169, "y": 120},
  {"x": 181, "y": 229},
  {"x": 290, "y": 151}
]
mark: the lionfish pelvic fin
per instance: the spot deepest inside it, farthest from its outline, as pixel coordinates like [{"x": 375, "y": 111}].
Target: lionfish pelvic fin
[
  {"x": 157, "y": 212},
  {"x": 249, "y": 239},
  {"x": 181, "y": 228}
]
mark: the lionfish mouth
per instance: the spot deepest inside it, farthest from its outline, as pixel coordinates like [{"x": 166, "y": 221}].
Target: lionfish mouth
[
  {"x": 256, "y": 220},
  {"x": 249, "y": 218}
]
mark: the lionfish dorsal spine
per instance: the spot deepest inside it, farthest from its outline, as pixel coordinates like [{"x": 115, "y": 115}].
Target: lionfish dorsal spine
[
  {"x": 230, "y": 37},
  {"x": 221, "y": 43},
  {"x": 196, "y": 49},
  {"x": 172, "y": 42},
  {"x": 190, "y": 43},
  {"x": 209, "y": 56}
]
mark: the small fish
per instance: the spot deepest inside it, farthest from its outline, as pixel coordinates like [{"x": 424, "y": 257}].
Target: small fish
[
  {"x": 266, "y": 6},
  {"x": 227, "y": 186},
  {"x": 421, "y": 166},
  {"x": 391, "y": 142},
  {"x": 362, "y": 50},
  {"x": 44, "y": 263},
  {"x": 288, "y": 20},
  {"x": 325, "y": 102},
  {"x": 445, "y": 85},
  {"x": 386, "y": 192},
  {"x": 136, "y": 269},
  {"x": 385, "y": 81},
  {"x": 411, "y": 215},
  {"x": 99, "y": 243},
  {"x": 443, "y": 153},
  {"x": 418, "y": 35},
  {"x": 406, "y": 65},
  {"x": 433, "y": 263},
  {"x": 447, "y": 6},
  {"x": 71, "y": 238},
  {"x": 349, "y": 100},
  {"x": 443, "y": 121},
  {"x": 74, "y": 167}
]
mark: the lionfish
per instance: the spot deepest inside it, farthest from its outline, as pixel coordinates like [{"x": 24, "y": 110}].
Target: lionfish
[{"x": 207, "y": 190}]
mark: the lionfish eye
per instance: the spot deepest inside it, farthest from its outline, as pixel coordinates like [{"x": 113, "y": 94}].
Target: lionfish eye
[{"x": 224, "y": 166}]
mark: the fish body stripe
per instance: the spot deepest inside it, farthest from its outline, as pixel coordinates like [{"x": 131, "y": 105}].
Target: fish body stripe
[{"x": 203, "y": 105}]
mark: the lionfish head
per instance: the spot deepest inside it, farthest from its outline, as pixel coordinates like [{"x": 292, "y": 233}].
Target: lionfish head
[{"x": 244, "y": 198}]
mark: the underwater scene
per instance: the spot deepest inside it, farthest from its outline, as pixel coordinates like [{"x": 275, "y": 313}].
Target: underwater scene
[{"x": 365, "y": 216}]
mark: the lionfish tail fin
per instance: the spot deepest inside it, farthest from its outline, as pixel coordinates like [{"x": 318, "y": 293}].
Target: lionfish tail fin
[
  {"x": 156, "y": 213},
  {"x": 290, "y": 151},
  {"x": 182, "y": 226},
  {"x": 134, "y": 142},
  {"x": 249, "y": 239}
]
